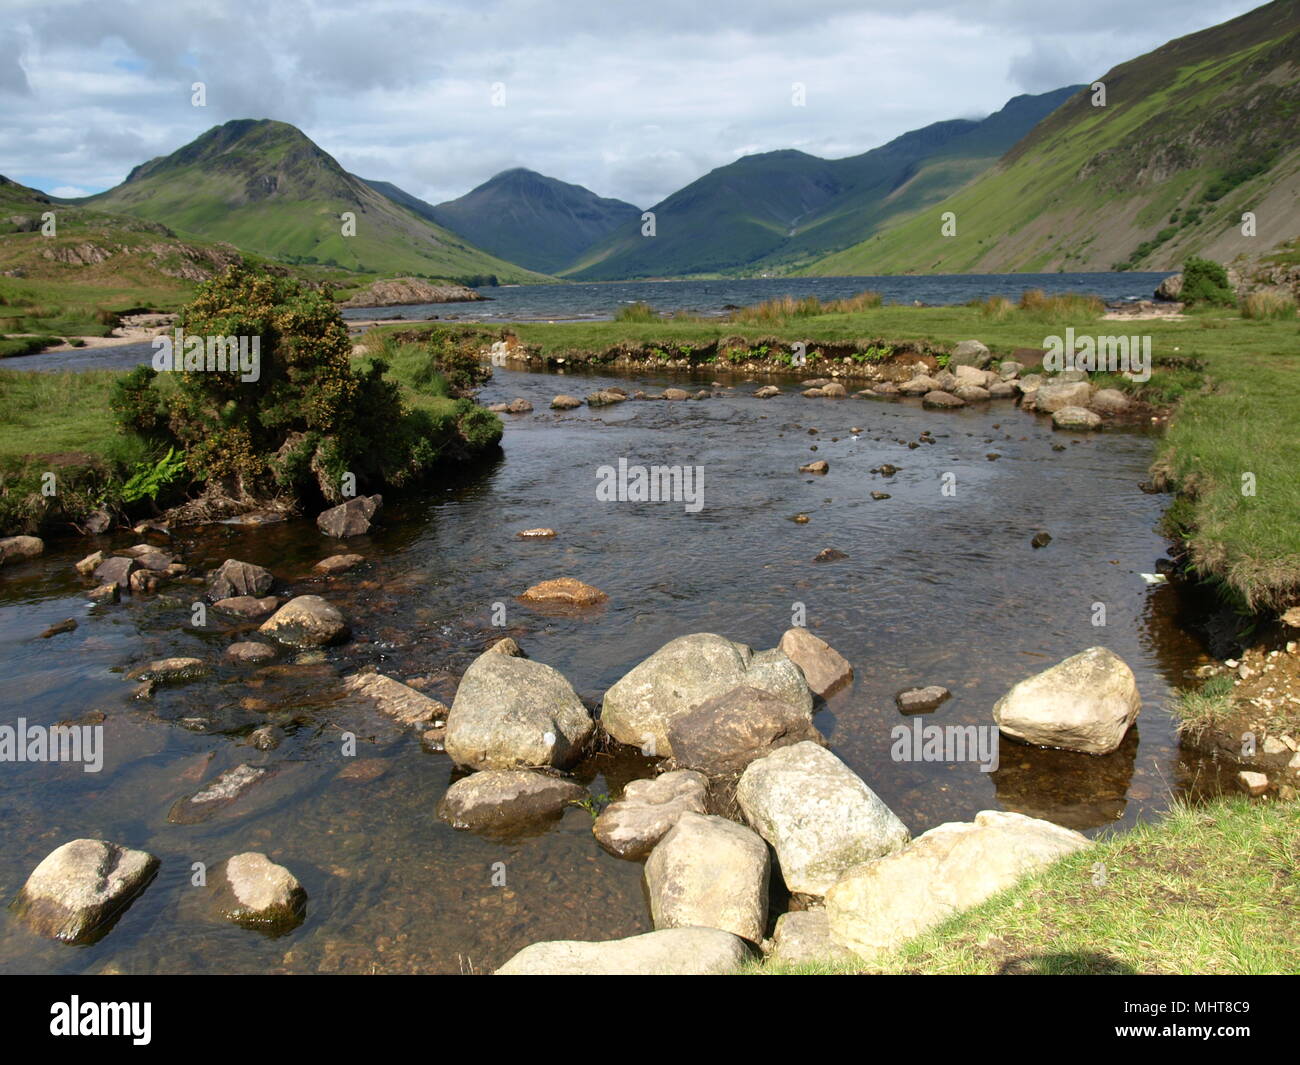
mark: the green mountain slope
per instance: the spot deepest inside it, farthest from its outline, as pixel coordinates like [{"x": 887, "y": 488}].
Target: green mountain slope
[
  {"x": 266, "y": 188},
  {"x": 1192, "y": 135},
  {"x": 533, "y": 220},
  {"x": 773, "y": 211}
]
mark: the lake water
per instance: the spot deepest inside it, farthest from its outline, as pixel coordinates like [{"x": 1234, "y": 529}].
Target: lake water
[{"x": 935, "y": 589}]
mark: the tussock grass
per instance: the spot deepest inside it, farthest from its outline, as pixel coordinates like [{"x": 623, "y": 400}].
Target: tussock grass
[
  {"x": 636, "y": 312},
  {"x": 1269, "y": 303},
  {"x": 1036, "y": 302},
  {"x": 789, "y": 308},
  {"x": 1198, "y": 709}
]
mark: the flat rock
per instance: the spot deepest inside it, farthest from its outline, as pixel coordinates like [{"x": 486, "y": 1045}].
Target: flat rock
[
  {"x": 90, "y": 563},
  {"x": 1085, "y": 703},
  {"x": 667, "y": 952},
  {"x": 506, "y": 799},
  {"x": 78, "y": 889},
  {"x": 712, "y": 873},
  {"x": 338, "y": 564},
  {"x": 170, "y": 670},
  {"x": 630, "y": 827},
  {"x": 565, "y": 590},
  {"x": 250, "y": 651},
  {"x": 921, "y": 700},
  {"x": 402, "y": 703},
  {"x": 247, "y": 606},
  {"x": 536, "y": 534},
  {"x": 826, "y": 670},
  {"x": 306, "y": 621},
  {"x": 229, "y": 786},
  {"x": 819, "y": 816},
  {"x": 116, "y": 570},
  {"x": 878, "y": 906}
]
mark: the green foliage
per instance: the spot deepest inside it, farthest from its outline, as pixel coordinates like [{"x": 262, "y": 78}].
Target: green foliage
[
  {"x": 1206, "y": 282},
  {"x": 150, "y": 478}
]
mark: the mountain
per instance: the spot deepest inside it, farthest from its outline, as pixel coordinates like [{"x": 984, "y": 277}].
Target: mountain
[
  {"x": 266, "y": 188},
  {"x": 528, "y": 218},
  {"x": 777, "y": 210},
  {"x": 1192, "y": 135}
]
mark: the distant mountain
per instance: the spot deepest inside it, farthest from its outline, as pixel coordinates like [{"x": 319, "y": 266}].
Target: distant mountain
[
  {"x": 266, "y": 188},
  {"x": 780, "y": 209},
  {"x": 528, "y": 218},
  {"x": 1192, "y": 136}
]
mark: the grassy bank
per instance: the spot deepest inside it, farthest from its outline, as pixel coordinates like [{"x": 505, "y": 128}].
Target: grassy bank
[
  {"x": 1211, "y": 889},
  {"x": 1228, "y": 379}
]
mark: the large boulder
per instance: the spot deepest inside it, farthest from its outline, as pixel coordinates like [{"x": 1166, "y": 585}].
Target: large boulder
[
  {"x": 667, "y": 952},
  {"x": 1053, "y": 397},
  {"x": 1085, "y": 703},
  {"x": 514, "y": 713},
  {"x": 506, "y": 799},
  {"x": 19, "y": 548},
  {"x": 306, "y": 621},
  {"x": 1076, "y": 418},
  {"x": 881, "y": 905},
  {"x": 234, "y": 578},
  {"x": 712, "y": 873},
  {"x": 1109, "y": 401},
  {"x": 819, "y": 816},
  {"x": 803, "y": 937},
  {"x": 351, "y": 518},
  {"x": 970, "y": 353},
  {"x": 725, "y": 733},
  {"x": 825, "y": 669},
  {"x": 919, "y": 385},
  {"x": 81, "y": 887},
  {"x": 683, "y": 674},
  {"x": 631, "y": 827},
  {"x": 252, "y": 891}
]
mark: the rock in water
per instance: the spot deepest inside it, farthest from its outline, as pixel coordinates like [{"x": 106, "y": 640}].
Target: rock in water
[
  {"x": 306, "y": 621},
  {"x": 338, "y": 564},
  {"x": 818, "y": 815},
  {"x": 18, "y": 548},
  {"x": 1085, "y": 703},
  {"x": 563, "y": 402},
  {"x": 80, "y": 888},
  {"x": 514, "y": 713},
  {"x": 506, "y": 799},
  {"x": 725, "y": 733},
  {"x": 565, "y": 590},
  {"x": 825, "y": 669},
  {"x": 668, "y": 952},
  {"x": 1051, "y": 398},
  {"x": 683, "y": 674},
  {"x": 921, "y": 700},
  {"x": 877, "y": 907},
  {"x": 351, "y": 518},
  {"x": 1076, "y": 418},
  {"x": 254, "y": 892},
  {"x": 399, "y": 701},
  {"x": 234, "y": 578},
  {"x": 709, "y": 872},
  {"x": 631, "y": 827},
  {"x": 223, "y": 791},
  {"x": 116, "y": 571}
]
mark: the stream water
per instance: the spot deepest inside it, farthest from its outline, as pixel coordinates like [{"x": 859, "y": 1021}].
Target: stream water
[{"x": 935, "y": 589}]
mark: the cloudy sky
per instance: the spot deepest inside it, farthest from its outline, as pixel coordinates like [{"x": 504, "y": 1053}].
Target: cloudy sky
[{"x": 632, "y": 100}]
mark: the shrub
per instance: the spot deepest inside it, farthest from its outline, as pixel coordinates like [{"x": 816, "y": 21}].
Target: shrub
[{"x": 1206, "y": 282}]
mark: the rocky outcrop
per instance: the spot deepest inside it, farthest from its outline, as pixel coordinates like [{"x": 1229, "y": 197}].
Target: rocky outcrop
[
  {"x": 234, "y": 578},
  {"x": 307, "y": 621},
  {"x": 507, "y": 799},
  {"x": 683, "y": 674},
  {"x": 254, "y": 892},
  {"x": 350, "y": 518},
  {"x": 405, "y": 291},
  {"x": 1085, "y": 703},
  {"x": 724, "y": 734},
  {"x": 881, "y": 905},
  {"x": 631, "y": 827},
  {"x": 825, "y": 669},
  {"x": 81, "y": 887},
  {"x": 819, "y": 816},
  {"x": 712, "y": 873},
  {"x": 513, "y": 713},
  {"x": 667, "y": 952}
]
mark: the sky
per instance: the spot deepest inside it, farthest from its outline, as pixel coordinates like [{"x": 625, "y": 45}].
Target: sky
[{"x": 631, "y": 100}]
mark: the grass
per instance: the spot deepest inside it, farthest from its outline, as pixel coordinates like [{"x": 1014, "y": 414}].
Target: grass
[
  {"x": 1206, "y": 707},
  {"x": 1210, "y": 889},
  {"x": 1269, "y": 303}
]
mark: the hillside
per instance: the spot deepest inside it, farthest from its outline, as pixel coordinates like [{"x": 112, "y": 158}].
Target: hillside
[
  {"x": 533, "y": 220},
  {"x": 266, "y": 188},
  {"x": 776, "y": 210},
  {"x": 1193, "y": 134}
]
